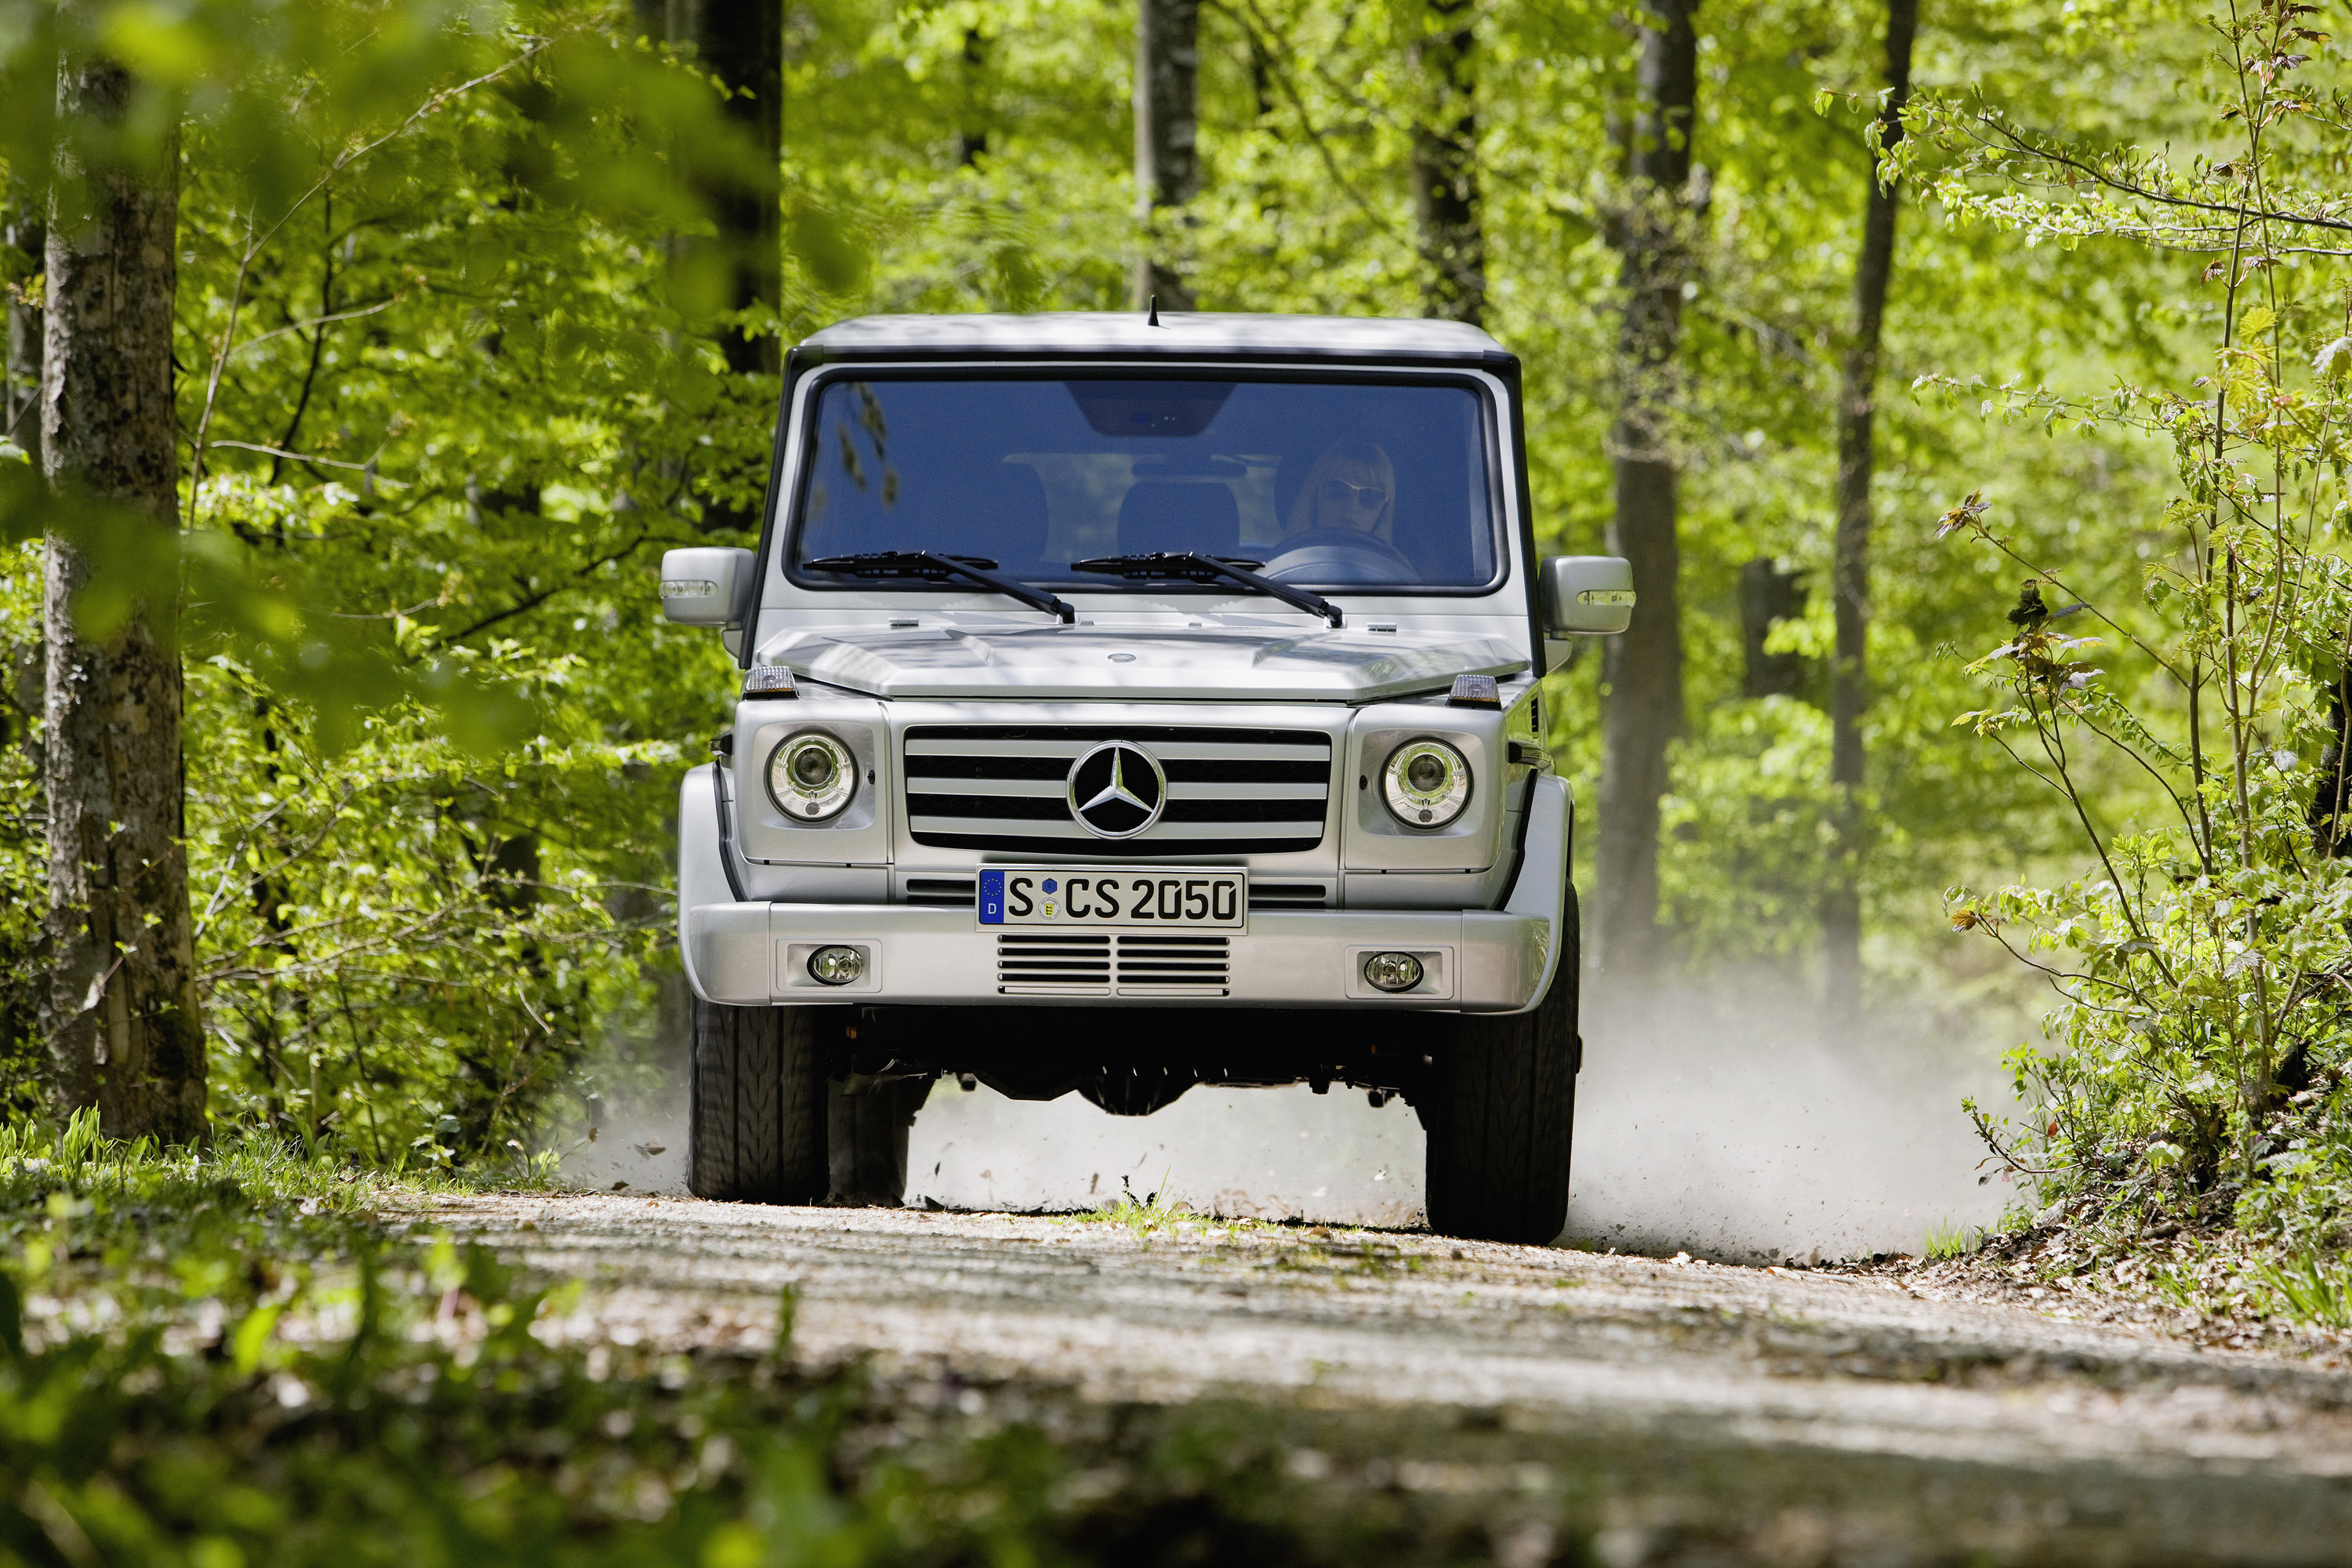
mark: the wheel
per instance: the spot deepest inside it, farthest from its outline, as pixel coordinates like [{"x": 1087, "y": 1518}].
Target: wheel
[
  {"x": 867, "y": 1133},
  {"x": 1500, "y": 1112},
  {"x": 756, "y": 1104}
]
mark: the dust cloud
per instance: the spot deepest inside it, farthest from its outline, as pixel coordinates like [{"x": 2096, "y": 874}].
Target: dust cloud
[
  {"x": 1728, "y": 1122},
  {"x": 1723, "y": 1122}
]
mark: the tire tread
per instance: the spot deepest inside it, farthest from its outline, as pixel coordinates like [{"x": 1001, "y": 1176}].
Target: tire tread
[
  {"x": 756, "y": 1104},
  {"x": 1501, "y": 1116}
]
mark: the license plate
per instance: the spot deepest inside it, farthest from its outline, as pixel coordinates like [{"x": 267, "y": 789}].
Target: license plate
[{"x": 1113, "y": 898}]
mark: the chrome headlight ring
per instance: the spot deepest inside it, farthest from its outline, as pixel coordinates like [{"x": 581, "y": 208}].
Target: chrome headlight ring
[
  {"x": 811, "y": 776},
  {"x": 1425, "y": 784}
]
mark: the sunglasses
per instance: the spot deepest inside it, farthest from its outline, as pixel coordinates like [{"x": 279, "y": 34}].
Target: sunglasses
[{"x": 1339, "y": 492}]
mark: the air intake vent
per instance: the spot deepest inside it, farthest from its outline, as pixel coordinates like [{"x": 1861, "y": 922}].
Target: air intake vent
[
  {"x": 1042, "y": 965},
  {"x": 1230, "y": 790},
  {"x": 1288, "y": 895},
  {"x": 1167, "y": 965},
  {"x": 942, "y": 893},
  {"x": 1038, "y": 964}
]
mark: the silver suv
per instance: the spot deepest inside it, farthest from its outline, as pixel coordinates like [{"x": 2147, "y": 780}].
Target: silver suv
[{"x": 1130, "y": 703}]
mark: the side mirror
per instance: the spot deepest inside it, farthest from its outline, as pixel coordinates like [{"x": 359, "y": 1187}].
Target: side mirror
[
  {"x": 706, "y": 587},
  {"x": 1588, "y": 595}
]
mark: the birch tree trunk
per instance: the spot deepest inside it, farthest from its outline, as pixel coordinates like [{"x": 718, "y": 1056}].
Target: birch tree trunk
[
  {"x": 1445, "y": 167},
  {"x": 121, "y": 1020},
  {"x": 1642, "y": 670},
  {"x": 1850, "y": 570},
  {"x": 1167, "y": 140}
]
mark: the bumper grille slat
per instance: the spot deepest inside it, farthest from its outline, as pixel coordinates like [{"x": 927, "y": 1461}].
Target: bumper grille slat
[
  {"x": 943, "y": 892},
  {"x": 1231, "y": 791},
  {"x": 1036, "y": 963},
  {"x": 1070, "y": 964}
]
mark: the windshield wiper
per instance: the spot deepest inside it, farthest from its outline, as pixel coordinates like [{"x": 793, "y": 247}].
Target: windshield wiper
[
  {"x": 1194, "y": 567},
  {"x": 938, "y": 568}
]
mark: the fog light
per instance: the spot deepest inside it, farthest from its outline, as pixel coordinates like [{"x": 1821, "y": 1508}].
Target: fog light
[
  {"x": 1393, "y": 972},
  {"x": 846, "y": 966}
]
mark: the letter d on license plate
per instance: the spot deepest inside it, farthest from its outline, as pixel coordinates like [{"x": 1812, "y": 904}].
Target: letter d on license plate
[{"x": 1113, "y": 898}]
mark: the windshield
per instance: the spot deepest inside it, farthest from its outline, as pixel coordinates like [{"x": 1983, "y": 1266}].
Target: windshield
[{"x": 1332, "y": 485}]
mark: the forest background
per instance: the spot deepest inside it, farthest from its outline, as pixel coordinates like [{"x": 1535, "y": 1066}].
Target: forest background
[{"x": 446, "y": 391}]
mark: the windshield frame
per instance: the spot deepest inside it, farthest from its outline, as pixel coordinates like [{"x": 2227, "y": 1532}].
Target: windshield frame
[{"x": 789, "y": 505}]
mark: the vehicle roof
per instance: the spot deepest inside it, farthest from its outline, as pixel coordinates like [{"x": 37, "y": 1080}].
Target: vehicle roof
[{"x": 1127, "y": 334}]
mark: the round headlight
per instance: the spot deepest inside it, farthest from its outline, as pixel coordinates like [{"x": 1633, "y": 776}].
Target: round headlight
[
  {"x": 1425, "y": 782},
  {"x": 812, "y": 776}
]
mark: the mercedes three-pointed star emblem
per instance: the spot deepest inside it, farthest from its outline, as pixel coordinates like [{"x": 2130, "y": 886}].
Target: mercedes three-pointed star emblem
[{"x": 1117, "y": 790}]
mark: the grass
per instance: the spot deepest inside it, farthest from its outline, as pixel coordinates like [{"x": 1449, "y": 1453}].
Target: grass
[
  {"x": 1946, "y": 1239},
  {"x": 1157, "y": 1213},
  {"x": 2307, "y": 1289}
]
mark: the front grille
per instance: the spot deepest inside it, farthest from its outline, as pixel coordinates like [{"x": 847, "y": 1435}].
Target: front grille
[
  {"x": 1036, "y": 963},
  {"x": 1287, "y": 895},
  {"x": 1230, "y": 790}
]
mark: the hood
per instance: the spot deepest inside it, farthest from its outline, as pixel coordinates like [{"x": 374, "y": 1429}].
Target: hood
[{"x": 1141, "y": 664}]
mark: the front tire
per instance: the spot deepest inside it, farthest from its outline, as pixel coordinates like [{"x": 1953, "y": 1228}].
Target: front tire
[
  {"x": 756, "y": 1104},
  {"x": 1500, "y": 1113}
]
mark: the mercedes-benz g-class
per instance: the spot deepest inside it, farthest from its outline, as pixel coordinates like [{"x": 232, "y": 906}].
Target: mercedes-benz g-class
[{"x": 1131, "y": 703}]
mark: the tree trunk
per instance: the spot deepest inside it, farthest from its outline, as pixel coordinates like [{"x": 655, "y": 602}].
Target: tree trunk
[
  {"x": 742, "y": 43},
  {"x": 972, "y": 139},
  {"x": 1445, "y": 167},
  {"x": 121, "y": 1021},
  {"x": 1642, "y": 670},
  {"x": 1850, "y": 574},
  {"x": 1167, "y": 140},
  {"x": 1769, "y": 595}
]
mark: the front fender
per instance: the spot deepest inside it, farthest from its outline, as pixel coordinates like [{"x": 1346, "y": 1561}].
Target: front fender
[
  {"x": 704, "y": 875},
  {"x": 1541, "y": 889}
]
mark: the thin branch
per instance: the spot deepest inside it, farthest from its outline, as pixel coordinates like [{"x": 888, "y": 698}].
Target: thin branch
[
  {"x": 2018, "y": 143},
  {"x": 533, "y": 600}
]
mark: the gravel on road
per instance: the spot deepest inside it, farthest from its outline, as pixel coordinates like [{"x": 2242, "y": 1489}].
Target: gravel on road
[{"x": 1538, "y": 1404}]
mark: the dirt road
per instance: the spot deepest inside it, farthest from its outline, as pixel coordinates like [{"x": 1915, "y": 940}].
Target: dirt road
[{"x": 1520, "y": 1404}]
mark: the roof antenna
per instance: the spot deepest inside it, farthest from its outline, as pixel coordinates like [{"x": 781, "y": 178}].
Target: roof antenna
[{"x": 1153, "y": 318}]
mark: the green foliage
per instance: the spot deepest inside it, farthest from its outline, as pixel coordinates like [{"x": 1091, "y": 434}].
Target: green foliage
[
  {"x": 451, "y": 384},
  {"x": 447, "y": 399},
  {"x": 2201, "y": 965}
]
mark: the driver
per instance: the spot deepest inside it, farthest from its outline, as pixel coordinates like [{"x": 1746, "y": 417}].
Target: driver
[{"x": 1351, "y": 487}]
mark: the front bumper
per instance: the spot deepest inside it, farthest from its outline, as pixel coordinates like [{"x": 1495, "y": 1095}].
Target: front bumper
[
  {"x": 1473, "y": 961},
  {"x": 753, "y": 952}
]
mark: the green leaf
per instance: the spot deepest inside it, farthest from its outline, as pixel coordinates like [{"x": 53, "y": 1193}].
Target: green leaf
[{"x": 252, "y": 1337}]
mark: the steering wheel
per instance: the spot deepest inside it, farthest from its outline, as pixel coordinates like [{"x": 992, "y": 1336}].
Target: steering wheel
[{"x": 1339, "y": 556}]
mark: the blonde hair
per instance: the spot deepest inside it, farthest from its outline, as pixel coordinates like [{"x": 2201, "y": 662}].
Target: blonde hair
[{"x": 1353, "y": 451}]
